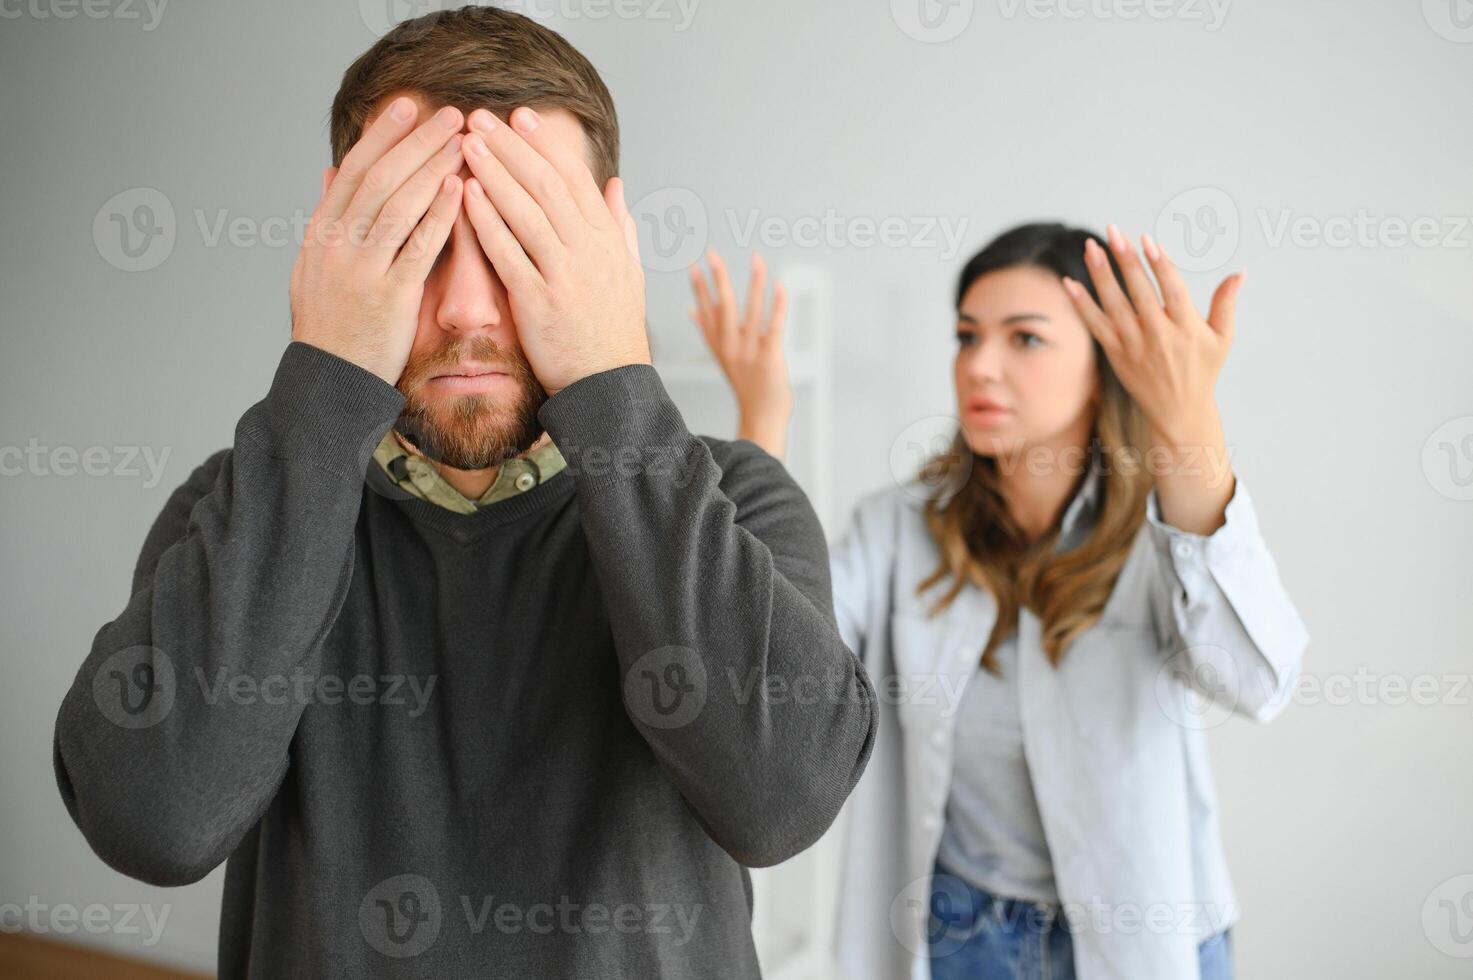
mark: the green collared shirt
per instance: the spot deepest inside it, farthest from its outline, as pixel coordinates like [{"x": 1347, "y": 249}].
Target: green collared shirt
[{"x": 418, "y": 476}]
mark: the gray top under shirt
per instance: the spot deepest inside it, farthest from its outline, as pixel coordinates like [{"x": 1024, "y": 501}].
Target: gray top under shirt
[
  {"x": 532, "y": 741},
  {"x": 994, "y": 836}
]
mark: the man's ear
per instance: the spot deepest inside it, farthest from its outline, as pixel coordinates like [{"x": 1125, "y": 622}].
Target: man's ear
[{"x": 327, "y": 176}]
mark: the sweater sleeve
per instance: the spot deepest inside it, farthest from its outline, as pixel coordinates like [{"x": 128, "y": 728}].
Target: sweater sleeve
[
  {"x": 1234, "y": 633},
  {"x": 861, "y": 562},
  {"x": 161, "y": 763},
  {"x": 718, "y": 594}
]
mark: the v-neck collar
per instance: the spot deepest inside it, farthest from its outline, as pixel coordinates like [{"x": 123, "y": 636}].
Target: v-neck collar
[{"x": 469, "y": 527}]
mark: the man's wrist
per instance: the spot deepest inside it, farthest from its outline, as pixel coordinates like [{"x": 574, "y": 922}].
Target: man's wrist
[
  {"x": 612, "y": 365},
  {"x": 616, "y": 423}
]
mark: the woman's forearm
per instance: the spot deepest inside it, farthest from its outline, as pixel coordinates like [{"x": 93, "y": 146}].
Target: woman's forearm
[
  {"x": 768, "y": 431},
  {"x": 1197, "y": 482}
]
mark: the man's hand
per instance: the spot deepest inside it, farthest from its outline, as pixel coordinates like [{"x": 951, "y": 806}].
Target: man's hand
[
  {"x": 374, "y": 237},
  {"x": 564, "y": 251}
]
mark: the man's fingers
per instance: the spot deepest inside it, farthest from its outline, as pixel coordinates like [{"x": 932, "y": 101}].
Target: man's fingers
[
  {"x": 535, "y": 175},
  {"x": 515, "y": 208},
  {"x": 386, "y": 175},
  {"x": 418, "y": 256},
  {"x": 512, "y": 264},
  {"x": 570, "y": 166},
  {"x": 381, "y": 134},
  {"x": 402, "y": 214}
]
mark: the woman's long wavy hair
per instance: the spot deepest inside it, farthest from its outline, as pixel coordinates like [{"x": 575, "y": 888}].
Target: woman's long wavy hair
[{"x": 978, "y": 538}]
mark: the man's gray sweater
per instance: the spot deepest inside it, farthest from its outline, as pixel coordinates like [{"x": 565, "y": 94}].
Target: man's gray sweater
[{"x": 542, "y": 740}]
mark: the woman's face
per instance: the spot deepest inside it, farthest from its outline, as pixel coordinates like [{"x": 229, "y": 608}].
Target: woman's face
[{"x": 1023, "y": 348}]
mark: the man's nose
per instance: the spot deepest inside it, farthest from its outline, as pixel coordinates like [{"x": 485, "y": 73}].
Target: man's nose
[{"x": 469, "y": 295}]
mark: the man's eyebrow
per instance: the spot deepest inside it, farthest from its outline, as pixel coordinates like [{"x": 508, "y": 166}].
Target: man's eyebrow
[{"x": 1009, "y": 321}]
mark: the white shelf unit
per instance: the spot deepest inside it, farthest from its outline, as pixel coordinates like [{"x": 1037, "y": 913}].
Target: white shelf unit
[{"x": 795, "y": 901}]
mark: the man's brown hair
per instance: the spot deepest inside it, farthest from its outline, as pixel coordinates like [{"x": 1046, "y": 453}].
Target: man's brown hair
[{"x": 479, "y": 57}]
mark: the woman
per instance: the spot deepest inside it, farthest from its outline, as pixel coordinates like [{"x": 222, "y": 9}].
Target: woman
[{"x": 1039, "y": 603}]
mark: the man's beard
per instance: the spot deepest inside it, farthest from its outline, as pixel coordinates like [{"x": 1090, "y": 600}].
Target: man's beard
[{"x": 471, "y": 431}]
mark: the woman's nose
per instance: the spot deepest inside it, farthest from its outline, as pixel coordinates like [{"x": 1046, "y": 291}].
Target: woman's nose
[{"x": 984, "y": 359}]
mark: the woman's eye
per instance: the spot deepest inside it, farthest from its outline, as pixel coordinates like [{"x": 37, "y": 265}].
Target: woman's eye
[
  {"x": 1027, "y": 339},
  {"x": 965, "y": 337}
]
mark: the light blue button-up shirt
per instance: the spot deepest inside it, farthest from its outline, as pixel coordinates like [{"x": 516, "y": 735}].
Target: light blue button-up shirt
[{"x": 1196, "y": 626}]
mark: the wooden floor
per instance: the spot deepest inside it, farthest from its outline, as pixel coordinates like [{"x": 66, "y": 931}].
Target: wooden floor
[{"x": 24, "y": 957}]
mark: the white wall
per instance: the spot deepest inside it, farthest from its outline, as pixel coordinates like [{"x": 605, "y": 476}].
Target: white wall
[{"x": 1346, "y": 398}]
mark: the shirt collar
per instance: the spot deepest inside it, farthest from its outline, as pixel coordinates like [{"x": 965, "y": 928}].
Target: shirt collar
[
  {"x": 415, "y": 474},
  {"x": 1087, "y": 498}
]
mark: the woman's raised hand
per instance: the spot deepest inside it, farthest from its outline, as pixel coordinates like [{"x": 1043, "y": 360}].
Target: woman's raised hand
[
  {"x": 748, "y": 344},
  {"x": 1165, "y": 353}
]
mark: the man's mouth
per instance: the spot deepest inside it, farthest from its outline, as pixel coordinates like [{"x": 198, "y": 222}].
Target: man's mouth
[
  {"x": 470, "y": 371},
  {"x": 471, "y": 378}
]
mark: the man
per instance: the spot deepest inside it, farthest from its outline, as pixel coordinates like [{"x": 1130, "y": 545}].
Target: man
[{"x": 467, "y": 655}]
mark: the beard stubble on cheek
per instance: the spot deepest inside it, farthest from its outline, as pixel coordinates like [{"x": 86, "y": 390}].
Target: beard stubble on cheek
[{"x": 476, "y": 431}]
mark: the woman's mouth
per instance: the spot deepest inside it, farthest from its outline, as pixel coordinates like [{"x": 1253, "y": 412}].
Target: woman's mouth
[{"x": 986, "y": 413}]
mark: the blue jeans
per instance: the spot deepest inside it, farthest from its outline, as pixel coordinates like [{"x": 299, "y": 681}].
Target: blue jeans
[{"x": 974, "y": 935}]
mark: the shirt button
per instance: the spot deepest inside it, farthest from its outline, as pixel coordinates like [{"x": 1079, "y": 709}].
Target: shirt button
[
  {"x": 930, "y": 822},
  {"x": 938, "y": 738},
  {"x": 1184, "y": 549},
  {"x": 526, "y": 481}
]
